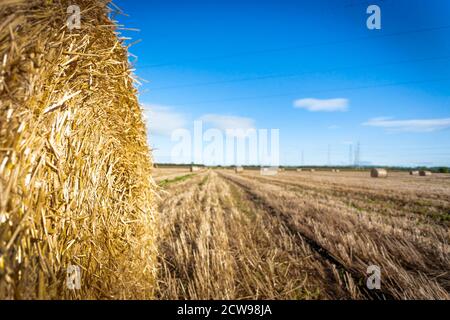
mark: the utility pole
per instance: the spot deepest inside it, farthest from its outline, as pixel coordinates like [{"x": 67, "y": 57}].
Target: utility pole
[
  {"x": 350, "y": 154},
  {"x": 329, "y": 155},
  {"x": 357, "y": 154}
]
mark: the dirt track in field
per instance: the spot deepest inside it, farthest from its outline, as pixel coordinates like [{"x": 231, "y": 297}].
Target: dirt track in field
[{"x": 303, "y": 235}]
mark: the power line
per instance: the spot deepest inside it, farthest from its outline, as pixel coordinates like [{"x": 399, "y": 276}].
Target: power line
[
  {"x": 354, "y": 3},
  {"x": 291, "y": 75},
  {"x": 312, "y": 45},
  {"x": 383, "y": 147},
  {"x": 317, "y": 91},
  {"x": 369, "y": 152}
]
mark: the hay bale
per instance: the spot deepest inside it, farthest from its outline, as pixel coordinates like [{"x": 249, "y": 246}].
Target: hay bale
[
  {"x": 194, "y": 169},
  {"x": 425, "y": 173},
  {"x": 299, "y": 170},
  {"x": 312, "y": 170},
  {"x": 378, "y": 173},
  {"x": 238, "y": 170},
  {"x": 269, "y": 171},
  {"x": 75, "y": 167},
  {"x": 414, "y": 173}
]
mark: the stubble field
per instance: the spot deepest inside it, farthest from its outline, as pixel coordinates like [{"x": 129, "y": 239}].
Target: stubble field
[{"x": 302, "y": 235}]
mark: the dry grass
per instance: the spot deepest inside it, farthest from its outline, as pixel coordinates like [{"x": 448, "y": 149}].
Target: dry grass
[
  {"x": 75, "y": 185},
  {"x": 304, "y": 236},
  {"x": 215, "y": 244}
]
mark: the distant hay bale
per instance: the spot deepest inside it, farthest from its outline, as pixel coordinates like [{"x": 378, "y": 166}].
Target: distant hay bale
[
  {"x": 194, "y": 169},
  {"x": 75, "y": 167},
  {"x": 337, "y": 170},
  {"x": 299, "y": 170},
  {"x": 414, "y": 173},
  {"x": 238, "y": 169},
  {"x": 268, "y": 171},
  {"x": 378, "y": 173},
  {"x": 312, "y": 170},
  {"x": 425, "y": 173}
]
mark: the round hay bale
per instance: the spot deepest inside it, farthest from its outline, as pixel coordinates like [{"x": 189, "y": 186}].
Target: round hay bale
[
  {"x": 378, "y": 173},
  {"x": 238, "y": 170},
  {"x": 425, "y": 173},
  {"x": 75, "y": 167},
  {"x": 414, "y": 173}
]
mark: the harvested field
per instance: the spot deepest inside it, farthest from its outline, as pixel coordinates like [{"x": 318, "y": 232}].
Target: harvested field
[
  {"x": 299, "y": 235},
  {"x": 160, "y": 174}
]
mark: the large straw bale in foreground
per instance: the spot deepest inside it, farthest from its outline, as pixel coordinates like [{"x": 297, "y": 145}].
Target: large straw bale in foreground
[{"x": 75, "y": 167}]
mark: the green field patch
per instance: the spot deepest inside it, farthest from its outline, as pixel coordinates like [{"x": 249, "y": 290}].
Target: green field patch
[{"x": 166, "y": 182}]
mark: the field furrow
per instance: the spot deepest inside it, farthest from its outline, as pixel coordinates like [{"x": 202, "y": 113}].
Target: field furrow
[{"x": 359, "y": 239}]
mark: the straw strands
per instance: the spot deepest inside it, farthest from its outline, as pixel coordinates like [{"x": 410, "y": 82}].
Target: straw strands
[{"x": 75, "y": 167}]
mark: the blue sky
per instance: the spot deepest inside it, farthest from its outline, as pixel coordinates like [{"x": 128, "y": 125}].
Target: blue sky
[{"x": 311, "y": 69}]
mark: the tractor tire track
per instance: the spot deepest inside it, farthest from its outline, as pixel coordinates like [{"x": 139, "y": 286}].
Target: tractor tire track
[{"x": 316, "y": 247}]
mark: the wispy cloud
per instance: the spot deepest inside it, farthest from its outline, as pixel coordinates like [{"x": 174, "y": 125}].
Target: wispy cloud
[
  {"x": 324, "y": 105},
  {"x": 224, "y": 122},
  {"x": 163, "y": 120},
  {"x": 415, "y": 125},
  {"x": 231, "y": 125}
]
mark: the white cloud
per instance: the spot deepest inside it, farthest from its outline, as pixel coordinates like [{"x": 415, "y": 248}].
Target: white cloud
[
  {"x": 326, "y": 105},
  {"x": 223, "y": 122},
  {"x": 416, "y": 125},
  {"x": 162, "y": 120}
]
